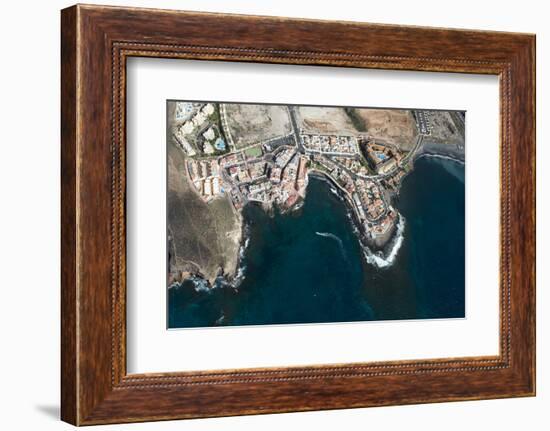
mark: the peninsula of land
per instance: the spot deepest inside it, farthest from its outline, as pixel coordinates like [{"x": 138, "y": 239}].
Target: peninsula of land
[{"x": 222, "y": 157}]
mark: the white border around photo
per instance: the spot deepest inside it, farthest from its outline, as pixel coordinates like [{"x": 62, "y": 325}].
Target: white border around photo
[{"x": 153, "y": 348}]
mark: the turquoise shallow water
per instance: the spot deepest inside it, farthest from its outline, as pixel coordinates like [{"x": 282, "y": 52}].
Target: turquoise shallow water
[{"x": 307, "y": 267}]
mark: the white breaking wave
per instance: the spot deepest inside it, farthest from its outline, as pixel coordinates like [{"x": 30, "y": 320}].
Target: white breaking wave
[
  {"x": 200, "y": 284},
  {"x": 441, "y": 156},
  {"x": 378, "y": 259},
  {"x": 239, "y": 277},
  {"x": 241, "y": 268},
  {"x": 330, "y": 235},
  {"x": 297, "y": 207},
  {"x": 243, "y": 247},
  {"x": 174, "y": 285},
  {"x": 334, "y": 237}
]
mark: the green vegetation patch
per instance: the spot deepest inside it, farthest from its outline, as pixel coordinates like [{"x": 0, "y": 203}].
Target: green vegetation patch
[{"x": 254, "y": 152}]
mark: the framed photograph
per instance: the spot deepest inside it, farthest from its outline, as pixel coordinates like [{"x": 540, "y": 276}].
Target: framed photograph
[{"x": 264, "y": 215}]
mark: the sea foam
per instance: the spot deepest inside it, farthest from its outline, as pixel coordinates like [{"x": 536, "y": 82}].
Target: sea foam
[
  {"x": 200, "y": 284},
  {"x": 377, "y": 258},
  {"x": 336, "y": 238}
]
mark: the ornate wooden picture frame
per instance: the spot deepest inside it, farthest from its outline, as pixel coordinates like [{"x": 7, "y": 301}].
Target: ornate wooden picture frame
[{"x": 96, "y": 41}]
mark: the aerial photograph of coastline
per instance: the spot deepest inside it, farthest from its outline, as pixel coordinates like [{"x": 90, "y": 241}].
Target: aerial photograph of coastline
[{"x": 299, "y": 214}]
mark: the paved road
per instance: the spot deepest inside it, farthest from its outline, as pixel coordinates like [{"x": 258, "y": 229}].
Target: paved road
[
  {"x": 332, "y": 153},
  {"x": 411, "y": 153},
  {"x": 296, "y": 129},
  {"x": 225, "y": 127}
]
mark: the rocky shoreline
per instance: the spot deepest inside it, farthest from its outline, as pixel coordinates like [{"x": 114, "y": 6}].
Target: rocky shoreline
[
  {"x": 380, "y": 251},
  {"x": 222, "y": 279},
  {"x": 375, "y": 252}
]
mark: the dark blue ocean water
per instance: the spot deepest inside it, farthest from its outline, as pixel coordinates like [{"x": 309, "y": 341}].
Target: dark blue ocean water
[{"x": 294, "y": 275}]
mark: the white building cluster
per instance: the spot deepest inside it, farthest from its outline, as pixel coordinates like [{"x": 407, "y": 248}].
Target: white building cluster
[
  {"x": 205, "y": 176},
  {"x": 198, "y": 119},
  {"x": 371, "y": 199},
  {"x": 184, "y": 143},
  {"x": 330, "y": 144},
  {"x": 183, "y": 110}
]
